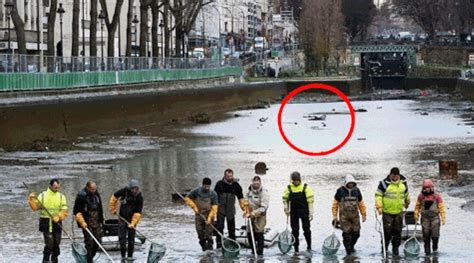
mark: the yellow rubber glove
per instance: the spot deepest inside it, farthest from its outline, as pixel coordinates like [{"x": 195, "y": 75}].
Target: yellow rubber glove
[
  {"x": 363, "y": 210},
  {"x": 81, "y": 221},
  {"x": 212, "y": 214},
  {"x": 135, "y": 219},
  {"x": 113, "y": 204},
  {"x": 191, "y": 204},
  {"x": 56, "y": 219},
  {"x": 244, "y": 205},
  {"x": 379, "y": 207},
  {"x": 33, "y": 202},
  {"x": 442, "y": 213},
  {"x": 335, "y": 209},
  {"x": 62, "y": 214},
  {"x": 417, "y": 210}
]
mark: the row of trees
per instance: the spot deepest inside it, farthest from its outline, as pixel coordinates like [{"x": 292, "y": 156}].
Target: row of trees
[
  {"x": 327, "y": 25},
  {"x": 176, "y": 15},
  {"x": 437, "y": 15}
]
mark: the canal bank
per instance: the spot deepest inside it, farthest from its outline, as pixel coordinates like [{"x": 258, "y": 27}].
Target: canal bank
[{"x": 29, "y": 119}]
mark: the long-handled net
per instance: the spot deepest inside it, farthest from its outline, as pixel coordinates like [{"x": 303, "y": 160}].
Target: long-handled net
[
  {"x": 230, "y": 247},
  {"x": 331, "y": 245},
  {"x": 379, "y": 228},
  {"x": 78, "y": 251},
  {"x": 411, "y": 247},
  {"x": 156, "y": 251},
  {"x": 286, "y": 239}
]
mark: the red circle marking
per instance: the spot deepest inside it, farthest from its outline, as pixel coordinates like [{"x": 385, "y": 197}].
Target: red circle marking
[{"x": 324, "y": 87}]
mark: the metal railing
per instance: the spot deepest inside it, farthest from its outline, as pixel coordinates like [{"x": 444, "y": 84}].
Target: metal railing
[{"x": 10, "y": 63}]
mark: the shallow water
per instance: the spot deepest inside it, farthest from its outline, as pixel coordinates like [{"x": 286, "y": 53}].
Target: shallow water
[{"x": 390, "y": 133}]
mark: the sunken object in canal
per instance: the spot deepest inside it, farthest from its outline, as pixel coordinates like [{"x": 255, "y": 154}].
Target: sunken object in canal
[{"x": 261, "y": 168}]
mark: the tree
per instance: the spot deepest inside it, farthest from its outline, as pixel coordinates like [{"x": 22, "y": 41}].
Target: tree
[
  {"x": 128, "y": 45},
  {"x": 358, "y": 16},
  {"x": 93, "y": 29},
  {"x": 19, "y": 29},
  {"x": 322, "y": 32},
  {"x": 185, "y": 13},
  {"x": 111, "y": 25},
  {"x": 50, "y": 42},
  {"x": 430, "y": 15},
  {"x": 75, "y": 28}
]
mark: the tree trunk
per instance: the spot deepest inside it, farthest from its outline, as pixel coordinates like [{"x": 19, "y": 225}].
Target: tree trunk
[
  {"x": 93, "y": 34},
  {"x": 167, "y": 22},
  {"x": 128, "y": 46},
  {"x": 111, "y": 26},
  {"x": 19, "y": 29},
  {"x": 143, "y": 28},
  {"x": 154, "y": 28},
  {"x": 75, "y": 28},
  {"x": 51, "y": 45}
]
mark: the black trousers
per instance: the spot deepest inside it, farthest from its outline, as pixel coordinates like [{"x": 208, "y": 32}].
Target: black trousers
[
  {"x": 295, "y": 217},
  {"x": 91, "y": 246},
  {"x": 51, "y": 246},
  {"x": 392, "y": 227},
  {"x": 349, "y": 239},
  {"x": 126, "y": 239},
  {"x": 230, "y": 227},
  {"x": 259, "y": 242}
]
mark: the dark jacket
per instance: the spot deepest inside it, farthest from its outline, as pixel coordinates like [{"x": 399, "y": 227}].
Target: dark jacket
[
  {"x": 129, "y": 204},
  {"x": 85, "y": 202},
  {"x": 226, "y": 194}
]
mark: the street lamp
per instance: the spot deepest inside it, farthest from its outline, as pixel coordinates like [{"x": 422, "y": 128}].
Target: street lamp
[
  {"x": 162, "y": 26},
  {"x": 135, "y": 22},
  {"x": 102, "y": 18},
  {"x": 61, "y": 11},
  {"x": 9, "y": 6}
]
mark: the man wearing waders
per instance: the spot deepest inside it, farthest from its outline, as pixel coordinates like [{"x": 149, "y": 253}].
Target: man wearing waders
[
  {"x": 50, "y": 223},
  {"x": 258, "y": 199},
  {"x": 131, "y": 205},
  {"x": 227, "y": 190},
  {"x": 348, "y": 202},
  {"x": 430, "y": 204},
  {"x": 203, "y": 201},
  {"x": 390, "y": 199},
  {"x": 89, "y": 215},
  {"x": 298, "y": 202}
]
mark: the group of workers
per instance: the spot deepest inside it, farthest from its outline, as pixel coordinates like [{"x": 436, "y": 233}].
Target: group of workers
[
  {"x": 348, "y": 207},
  {"x": 89, "y": 215}
]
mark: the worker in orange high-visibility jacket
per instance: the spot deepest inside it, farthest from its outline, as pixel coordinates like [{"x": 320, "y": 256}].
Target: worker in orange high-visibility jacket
[
  {"x": 53, "y": 210},
  {"x": 433, "y": 213}
]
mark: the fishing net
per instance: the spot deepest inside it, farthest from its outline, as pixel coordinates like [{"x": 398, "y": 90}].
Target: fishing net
[
  {"x": 156, "y": 252},
  {"x": 230, "y": 248},
  {"x": 79, "y": 252},
  {"x": 411, "y": 247},
  {"x": 331, "y": 245},
  {"x": 285, "y": 241}
]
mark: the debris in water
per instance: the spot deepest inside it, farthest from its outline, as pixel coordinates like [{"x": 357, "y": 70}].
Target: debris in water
[
  {"x": 317, "y": 118},
  {"x": 361, "y": 110},
  {"x": 361, "y": 139},
  {"x": 263, "y": 119},
  {"x": 424, "y": 113}
]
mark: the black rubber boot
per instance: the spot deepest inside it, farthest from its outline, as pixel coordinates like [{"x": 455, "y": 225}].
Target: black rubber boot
[
  {"x": 427, "y": 246},
  {"x": 123, "y": 251},
  {"x": 435, "y": 244},
  {"x": 395, "y": 251},
  {"x": 45, "y": 258}
]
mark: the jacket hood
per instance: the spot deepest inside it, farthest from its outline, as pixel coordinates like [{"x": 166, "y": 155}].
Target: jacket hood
[{"x": 349, "y": 179}]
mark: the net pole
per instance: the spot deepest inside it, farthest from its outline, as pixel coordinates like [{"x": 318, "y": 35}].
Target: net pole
[{"x": 98, "y": 243}]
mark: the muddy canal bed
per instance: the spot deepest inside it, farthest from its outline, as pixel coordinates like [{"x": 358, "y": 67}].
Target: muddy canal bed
[{"x": 412, "y": 135}]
